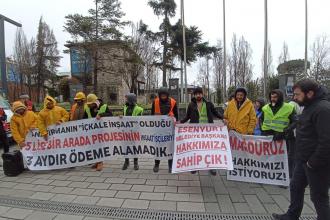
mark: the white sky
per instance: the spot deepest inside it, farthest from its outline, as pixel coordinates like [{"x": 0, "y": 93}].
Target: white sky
[{"x": 244, "y": 17}]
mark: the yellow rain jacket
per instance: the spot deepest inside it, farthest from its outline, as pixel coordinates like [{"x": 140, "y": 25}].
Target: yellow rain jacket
[
  {"x": 242, "y": 120},
  {"x": 47, "y": 117},
  {"x": 21, "y": 124}
]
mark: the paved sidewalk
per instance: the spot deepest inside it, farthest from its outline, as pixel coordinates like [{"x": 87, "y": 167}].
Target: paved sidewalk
[{"x": 142, "y": 189}]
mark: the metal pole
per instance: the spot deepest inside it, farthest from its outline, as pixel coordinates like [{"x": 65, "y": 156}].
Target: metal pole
[
  {"x": 266, "y": 50},
  {"x": 224, "y": 53},
  {"x": 184, "y": 51},
  {"x": 181, "y": 85},
  {"x": 3, "y": 69},
  {"x": 306, "y": 37},
  {"x": 3, "y": 57}
]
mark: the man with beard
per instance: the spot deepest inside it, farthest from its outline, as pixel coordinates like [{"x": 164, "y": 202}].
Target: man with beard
[
  {"x": 201, "y": 111},
  {"x": 240, "y": 115},
  {"x": 312, "y": 152},
  {"x": 279, "y": 120},
  {"x": 164, "y": 105}
]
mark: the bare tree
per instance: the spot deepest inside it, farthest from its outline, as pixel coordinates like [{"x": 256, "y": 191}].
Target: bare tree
[
  {"x": 46, "y": 56},
  {"x": 244, "y": 62},
  {"x": 320, "y": 60},
  {"x": 218, "y": 68},
  {"x": 270, "y": 67},
  {"x": 284, "y": 56}
]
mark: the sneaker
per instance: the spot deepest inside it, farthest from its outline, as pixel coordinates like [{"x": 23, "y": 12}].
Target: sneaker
[
  {"x": 99, "y": 166},
  {"x": 94, "y": 166},
  {"x": 136, "y": 167},
  {"x": 125, "y": 166},
  {"x": 213, "y": 172},
  {"x": 193, "y": 172},
  {"x": 156, "y": 168}
]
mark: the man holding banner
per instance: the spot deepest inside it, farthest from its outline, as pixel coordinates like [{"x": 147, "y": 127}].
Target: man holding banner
[
  {"x": 164, "y": 105},
  {"x": 240, "y": 115},
  {"x": 201, "y": 111},
  {"x": 279, "y": 120},
  {"x": 131, "y": 109},
  {"x": 312, "y": 152},
  {"x": 51, "y": 114},
  {"x": 96, "y": 109}
]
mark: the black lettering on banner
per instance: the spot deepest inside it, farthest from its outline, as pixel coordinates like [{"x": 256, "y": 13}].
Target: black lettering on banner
[
  {"x": 106, "y": 152},
  {"x": 115, "y": 151},
  {"x": 38, "y": 162},
  {"x": 98, "y": 153},
  {"x": 73, "y": 157},
  {"x": 89, "y": 155},
  {"x": 63, "y": 159},
  {"x": 29, "y": 160},
  {"x": 257, "y": 174},
  {"x": 81, "y": 157}
]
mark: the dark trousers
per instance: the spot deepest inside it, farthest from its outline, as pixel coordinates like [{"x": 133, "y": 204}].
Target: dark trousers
[
  {"x": 157, "y": 162},
  {"x": 290, "y": 143},
  {"x": 318, "y": 181},
  {"x": 135, "y": 160},
  {"x": 3, "y": 139}
]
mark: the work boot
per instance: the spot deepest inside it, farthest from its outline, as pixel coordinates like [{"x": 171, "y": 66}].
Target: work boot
[
  {"x": 136, "y": 164},
  {"x": 156, "y": 168},
  {"x": 280, "y": 216},
  {"x": 99, "y": 166},
  {"x": 125, "y": 166},
  {"x": 94, "y": 166},
  {"x": 213, "y": 172}
]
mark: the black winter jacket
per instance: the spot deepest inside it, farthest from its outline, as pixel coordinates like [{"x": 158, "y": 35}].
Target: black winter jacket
[
  {"x": 193, "y": 114},
  {"x": 313, "y": 137}
]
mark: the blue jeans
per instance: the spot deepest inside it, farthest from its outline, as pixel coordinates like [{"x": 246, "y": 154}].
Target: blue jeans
[{"x": 318, "y": 181}]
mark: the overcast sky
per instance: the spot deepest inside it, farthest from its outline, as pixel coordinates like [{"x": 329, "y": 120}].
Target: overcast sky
[{"x": 244, "y": 17}]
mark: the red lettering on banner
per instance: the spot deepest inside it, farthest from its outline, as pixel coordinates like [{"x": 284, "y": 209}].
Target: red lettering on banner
[
  {"x": 256, "y": 147},
  {"x": 198, "y": 129},
  {"x": 214, "y": 159},
  {"x": 201, "y": 145},
  {"x": 189, "y": 161}
]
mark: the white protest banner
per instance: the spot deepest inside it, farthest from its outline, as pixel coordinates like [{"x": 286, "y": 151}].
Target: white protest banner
[
  {"x": 201, "y": 147},
  {"x": 257, "y": 159},
  {"x": 83, "y": 142}
]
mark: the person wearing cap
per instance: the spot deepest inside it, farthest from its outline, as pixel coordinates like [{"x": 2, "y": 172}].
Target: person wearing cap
[
  {"x": 22, "y": 122},
  {"x": 201, "y": 111},
  {"x": 240, "y": 115},
  {"x": 25, "y": 99},
  {"x": 131, "y": 109},
  {"x": 78, "y": 108},
  {"x": 164, "y": 105},
  {"x": 258, "y": 104},
  {"x": 51, "y": 114},
  {"x": 95, "y": 108}
]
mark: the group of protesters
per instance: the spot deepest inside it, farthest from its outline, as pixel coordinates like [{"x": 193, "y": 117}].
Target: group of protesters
[{"x": 305, "y": 131}]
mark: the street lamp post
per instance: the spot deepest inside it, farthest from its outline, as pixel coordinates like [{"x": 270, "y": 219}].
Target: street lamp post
[
  {"x": 184, "y": 51},
  {"x": 306, "y": 37},
  {"x": 266, "y": 50},
  {"x": 3, "y": 51},
  {"x": 224, "y": 53}
]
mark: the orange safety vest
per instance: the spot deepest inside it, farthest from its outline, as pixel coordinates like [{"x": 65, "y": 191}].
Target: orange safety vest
[
  {"x": 157, "y": 107},
  {"x": 73, "y": 109}
]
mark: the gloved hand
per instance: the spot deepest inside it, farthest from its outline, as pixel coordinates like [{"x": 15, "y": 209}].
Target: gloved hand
[{"x": 278, "y": 136}]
